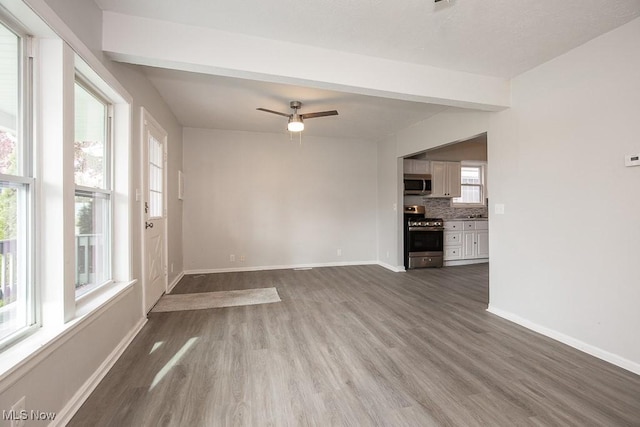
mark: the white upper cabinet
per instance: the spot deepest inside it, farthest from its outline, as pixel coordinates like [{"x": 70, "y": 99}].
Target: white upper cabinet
[
  {"x": 413, "y": 166},
  {"x": 445, "y": 179}
]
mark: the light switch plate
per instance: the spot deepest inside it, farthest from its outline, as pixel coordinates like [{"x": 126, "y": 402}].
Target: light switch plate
[
  {"x": 499, "y": 208},
  {"x": 632, "y": 160}
]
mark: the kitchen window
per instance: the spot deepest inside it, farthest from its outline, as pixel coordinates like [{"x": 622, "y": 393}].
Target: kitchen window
[
  {"x": 473, "y": 185},
  {"x": 17, "y": 293},
  {"x": 92, "y": 170}
]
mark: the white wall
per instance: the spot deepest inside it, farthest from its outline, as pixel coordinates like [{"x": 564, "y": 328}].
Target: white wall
[
  {"x": 564, "y": 255},
  {"x": 275, "y": 201},
  {"x": 389, "y": 206}
]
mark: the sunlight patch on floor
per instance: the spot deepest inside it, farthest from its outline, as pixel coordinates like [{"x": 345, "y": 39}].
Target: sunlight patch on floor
[
  {"x": 171, "y": 363},
  {"x": 156, "y": 346}
]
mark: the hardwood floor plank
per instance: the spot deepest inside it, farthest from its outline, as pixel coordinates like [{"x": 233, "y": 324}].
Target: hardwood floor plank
[{"x": 353, "y": 346}]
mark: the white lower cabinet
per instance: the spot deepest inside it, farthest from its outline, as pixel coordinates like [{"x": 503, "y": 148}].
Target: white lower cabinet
[
  {"x": 482, "y": 243},
  {"x": 466, "y": 242},
  {"x": 452, "y": 245}
]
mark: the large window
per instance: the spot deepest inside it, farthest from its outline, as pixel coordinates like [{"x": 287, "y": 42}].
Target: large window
[
  {"x": 65, "y": 181},
  {"x": 17, "y": 295},
  {"x": 92, "y": 164},
  {"x": 472, "y": 179}
]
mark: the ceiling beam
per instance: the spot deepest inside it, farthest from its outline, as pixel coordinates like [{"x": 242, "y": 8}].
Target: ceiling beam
[{"x": 163, "y": 44}]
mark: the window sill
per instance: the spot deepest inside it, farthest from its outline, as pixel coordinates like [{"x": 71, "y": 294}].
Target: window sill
[{"x": 18, "y": 359}]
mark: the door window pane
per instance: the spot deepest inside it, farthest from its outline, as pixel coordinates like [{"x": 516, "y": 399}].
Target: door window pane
[
  {"x": 156, "y": 156},
  {"x": 92, "y": 241},
  {"x": 90, "y": 139}
]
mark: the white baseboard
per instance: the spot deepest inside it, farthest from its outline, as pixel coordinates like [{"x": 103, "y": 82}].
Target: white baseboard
[
  {"x": 70, "y": 409},
  {"x": 175, "y": 282},
  {"x": 277, "y": 267},
  {"x": 568, "y": 340},
  {"x": 396, "y": 269}
]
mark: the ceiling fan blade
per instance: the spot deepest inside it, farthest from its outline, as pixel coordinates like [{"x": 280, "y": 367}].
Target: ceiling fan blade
[
  {"x": 274, "y": 112},
  {"x": 319, "y": 114}
]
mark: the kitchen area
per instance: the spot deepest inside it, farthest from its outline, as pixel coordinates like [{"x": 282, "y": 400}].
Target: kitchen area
[{"x": 445, "y": 199}]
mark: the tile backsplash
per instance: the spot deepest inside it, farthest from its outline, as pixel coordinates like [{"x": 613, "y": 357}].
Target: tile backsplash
[{"x": 441, "y": 208}]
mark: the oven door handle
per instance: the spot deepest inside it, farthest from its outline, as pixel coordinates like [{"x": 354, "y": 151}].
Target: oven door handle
[{"x": 426, "y": 228}]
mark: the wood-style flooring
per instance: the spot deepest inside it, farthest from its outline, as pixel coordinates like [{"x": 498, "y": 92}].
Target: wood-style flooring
[{"x": 355, "y": 346}]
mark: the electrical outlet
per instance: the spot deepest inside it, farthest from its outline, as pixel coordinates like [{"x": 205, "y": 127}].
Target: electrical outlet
[
  {"x": 232, "y": 258},
  {"x": 172, "y": 267},
  {"x": 242, "y": 258},
  {"x": 632, "y": 160},
  {"x": 18, "y": 412},
  {"x": 339, "y": 252}
]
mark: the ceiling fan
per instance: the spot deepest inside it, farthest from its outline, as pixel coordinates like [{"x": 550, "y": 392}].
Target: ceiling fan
[{"x": 296, "y": 123}]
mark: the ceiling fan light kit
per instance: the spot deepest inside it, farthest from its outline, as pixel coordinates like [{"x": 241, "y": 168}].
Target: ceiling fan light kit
[
  {"x": 296, "y": 121},
  {"x": 295, "y": 124}
]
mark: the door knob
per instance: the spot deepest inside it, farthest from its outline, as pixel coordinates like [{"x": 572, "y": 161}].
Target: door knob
[{"x": 148, "y": 225}]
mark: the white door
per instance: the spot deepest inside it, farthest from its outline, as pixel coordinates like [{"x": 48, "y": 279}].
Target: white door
[{"x": 154, "y": 157}]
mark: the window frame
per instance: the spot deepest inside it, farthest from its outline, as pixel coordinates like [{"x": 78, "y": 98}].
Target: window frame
[
  {"x": 107, "y": 189},
  {"x": 24, "y": 177},
  {"x": 483, "y": 185}
]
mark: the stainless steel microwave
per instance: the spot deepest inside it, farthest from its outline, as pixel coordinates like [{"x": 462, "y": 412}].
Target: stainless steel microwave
[{"x": 417, "y": 184}]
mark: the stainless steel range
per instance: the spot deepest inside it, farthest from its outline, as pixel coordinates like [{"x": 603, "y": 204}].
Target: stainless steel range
[{"x": 424, "y": 240}]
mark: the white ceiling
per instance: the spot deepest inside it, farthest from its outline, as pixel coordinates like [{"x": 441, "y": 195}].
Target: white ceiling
[
  {"x": 215, "y": 102},
  {"x": 500, "y": 38}
]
